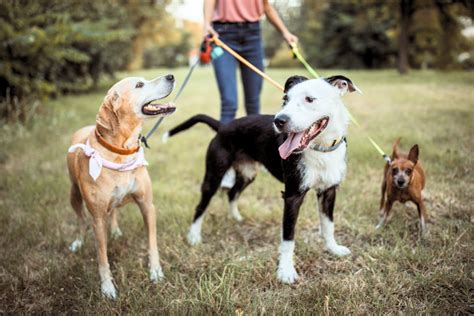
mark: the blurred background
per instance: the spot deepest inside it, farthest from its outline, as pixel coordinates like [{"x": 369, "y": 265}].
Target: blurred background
[{"x": 55, "y": 47}]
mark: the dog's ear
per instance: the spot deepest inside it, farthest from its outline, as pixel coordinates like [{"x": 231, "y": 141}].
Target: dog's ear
[
  {"x": 107, "y": 116},
  {"x": 395, "y": 149},
  {"x": 413, "y": 154},
  {"x": 292, "y": 81},
  {"x": 342, "y": 84}
]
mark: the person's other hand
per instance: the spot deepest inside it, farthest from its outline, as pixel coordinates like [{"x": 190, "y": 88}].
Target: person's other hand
[
  {"x": 291, "y": 39},
  {"x": 209, "y": 30}
]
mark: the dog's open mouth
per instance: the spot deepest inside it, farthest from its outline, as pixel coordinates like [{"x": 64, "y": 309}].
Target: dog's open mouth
[
  {"x": 299, "y": 141},
  {"x": 151, "y": 108}
]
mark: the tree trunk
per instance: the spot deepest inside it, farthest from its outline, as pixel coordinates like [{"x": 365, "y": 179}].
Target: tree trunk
[{"x": 406, "y": 11}]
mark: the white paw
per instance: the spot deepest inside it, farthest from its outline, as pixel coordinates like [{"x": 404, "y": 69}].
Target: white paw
[
  {"x": 194, "y": 238},
  {"x": 116, "y": 233},
  {"x": 156, "y": 274},
  {"x": 378, "y": 226},
  {"x": 237, "y": 216},
  {"x": 108, "y": 289},
  {"x": 338, "y": 250},
  {"x": 287, "y": 274},
  {"x": 75, "y": 245}
]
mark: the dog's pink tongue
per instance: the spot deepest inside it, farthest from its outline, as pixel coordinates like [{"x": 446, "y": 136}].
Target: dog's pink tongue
[{"x": 291, "y": 143}]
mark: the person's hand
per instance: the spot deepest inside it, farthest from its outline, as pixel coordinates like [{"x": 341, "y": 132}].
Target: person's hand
[
  {"x": 290, "y": 38},
  {"x": 209, "y": 30}
]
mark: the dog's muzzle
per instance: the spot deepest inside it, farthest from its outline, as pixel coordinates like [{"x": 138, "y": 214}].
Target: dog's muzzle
[{"x": 280, "y": 121}]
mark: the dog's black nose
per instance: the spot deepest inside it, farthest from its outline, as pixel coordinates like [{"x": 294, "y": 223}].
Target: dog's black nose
[
  {"x": 169, "y": 77},
  {"x": 281, "y": 120},
  {"x": 400, "y": 183}
]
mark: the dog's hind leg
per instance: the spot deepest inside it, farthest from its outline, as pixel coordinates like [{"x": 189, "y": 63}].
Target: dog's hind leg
[
  {"x": 114, "y": 226},
  {"x": 326, "y": 201},
  {"x": 423, "y": 215},
  {"x": 77, "y": 204},
  {"x": 217, "y": 163},
  {"x": 246, "y": 173},
  {"x": 386, "y": 212},
  {"x": 382, "y": 199}
]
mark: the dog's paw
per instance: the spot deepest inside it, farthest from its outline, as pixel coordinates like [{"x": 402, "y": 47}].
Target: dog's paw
[
  {"x": 287, "y": 274},
  {"x": 76, "y": 245},
  {"x": 194, "y": 238},
  {"x": 234, "y": 212},
  {"x": 156, "y": 275},
  {"x": 116, "y": 233},
  {"x": 338, "y": 250},
  {"x": 108, "y": 289}
]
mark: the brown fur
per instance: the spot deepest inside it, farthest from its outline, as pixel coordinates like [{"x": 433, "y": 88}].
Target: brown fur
[
  {"x": 120, "y": 126},
  {"x": 415, "y": 183}
]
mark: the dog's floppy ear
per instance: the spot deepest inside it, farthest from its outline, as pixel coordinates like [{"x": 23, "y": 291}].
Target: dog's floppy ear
[
  {"x": 395, "y": 149},
  {"x": 292, "y": 81},
  {"x": 342, "y": 84},
  {"x": 107, "y": 115},
  {"x": 413, "y": 154}
]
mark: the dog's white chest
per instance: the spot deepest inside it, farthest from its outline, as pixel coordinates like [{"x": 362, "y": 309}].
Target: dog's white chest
[
  {"x": 322, "y": 170},
  {"x": 121, "y": 191}
]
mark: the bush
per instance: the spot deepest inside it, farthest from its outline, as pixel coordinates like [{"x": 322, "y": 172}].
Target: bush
[{"x": 52, "y": 47}]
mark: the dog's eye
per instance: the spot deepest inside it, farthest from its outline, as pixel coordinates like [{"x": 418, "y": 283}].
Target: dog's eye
[
  {"x": 408, "y": 172},
  {"x": 139, "y": 84},
  {"x": 309, "y": 99},
  {"x": 395, "y": 171}
]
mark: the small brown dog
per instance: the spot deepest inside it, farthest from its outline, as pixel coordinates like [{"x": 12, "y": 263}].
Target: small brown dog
[
  {"x": 107, "y": 167},
  {"x": 403, "y": 180}
]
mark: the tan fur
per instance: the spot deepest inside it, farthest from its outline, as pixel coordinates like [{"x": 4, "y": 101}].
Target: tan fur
[
  {"x": 119, "y": 124},
  {"x": 413, "y": 192}
]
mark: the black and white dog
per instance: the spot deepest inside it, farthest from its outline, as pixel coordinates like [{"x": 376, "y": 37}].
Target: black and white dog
[{"x": 303, "y": 146}]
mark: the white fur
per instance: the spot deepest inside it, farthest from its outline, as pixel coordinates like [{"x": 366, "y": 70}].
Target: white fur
[
  {"x": 228, "y": 180},
  {"x": 121, "y": 190},
  {"x": 327, "y": 228},
  {"x": 286, "y": 272},
  {"x": 76, "y": 245},
  {"x": 156, "y": 274},
  {"x": 194, "y": 234},
  {"x": 165, "y": 137},
  {"x": 234, "y": 211},
  {"x": 116, "y": 233},
  {"x": 107, "y": 285},
  {"x": 248, "y": 169}
]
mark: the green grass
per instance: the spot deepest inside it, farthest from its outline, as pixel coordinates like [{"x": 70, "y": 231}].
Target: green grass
[{"x": 234, "y": 270}]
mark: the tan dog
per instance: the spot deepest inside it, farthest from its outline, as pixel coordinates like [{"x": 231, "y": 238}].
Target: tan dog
[
  {"x": 404, "y": 180},
  {"x": 113, "y": 144}
]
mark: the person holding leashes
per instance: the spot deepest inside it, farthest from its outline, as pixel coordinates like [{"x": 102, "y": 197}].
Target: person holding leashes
[{"x": 237, "y": 23}]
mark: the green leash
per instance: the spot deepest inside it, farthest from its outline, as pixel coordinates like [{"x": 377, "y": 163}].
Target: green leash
[{"x": 296, "y": 53}]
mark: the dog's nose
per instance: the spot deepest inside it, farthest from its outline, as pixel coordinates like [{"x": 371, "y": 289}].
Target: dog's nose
[
  {"x": 281, "y": 120},
  {"x": 400, "y": 183},
  {"x": 169, "y": 77}
]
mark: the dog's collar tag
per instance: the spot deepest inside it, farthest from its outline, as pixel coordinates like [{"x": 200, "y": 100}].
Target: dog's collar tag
[{"x": 333, "y": 147}]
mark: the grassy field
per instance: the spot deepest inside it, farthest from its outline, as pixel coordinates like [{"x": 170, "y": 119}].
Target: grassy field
[{"x": 234, "y": 271}]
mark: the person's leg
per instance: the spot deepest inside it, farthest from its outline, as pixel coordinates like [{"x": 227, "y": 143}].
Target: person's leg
[
  {"x": 252, "y": 50},
  {"x": 225, "y": 72}
]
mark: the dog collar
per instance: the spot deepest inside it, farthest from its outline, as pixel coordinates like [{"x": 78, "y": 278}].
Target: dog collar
[
  {"x": 335, "y": 145},
  {"x": 115, "y": 149}
]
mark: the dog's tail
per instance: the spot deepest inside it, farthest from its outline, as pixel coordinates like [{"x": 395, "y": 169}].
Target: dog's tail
[
  {"x": 199, "y": 118},
  {"x": 395, "y": 148}
]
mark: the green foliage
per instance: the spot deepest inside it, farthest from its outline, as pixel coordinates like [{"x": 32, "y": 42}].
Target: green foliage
[
  {"x": 51, "y": 47},
  {"x": 168, "y": 55}
]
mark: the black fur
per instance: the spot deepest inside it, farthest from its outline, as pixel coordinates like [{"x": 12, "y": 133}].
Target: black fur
[
  {"x": 327, "y": 200},
  {"x": 252, "y": 138},
  {"x": 292, "y": 81}
]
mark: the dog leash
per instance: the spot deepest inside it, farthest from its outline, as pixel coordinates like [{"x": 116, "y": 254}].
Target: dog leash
[
  {"x": 297, "y": 54},
  {"x": 144, "y": 139}
]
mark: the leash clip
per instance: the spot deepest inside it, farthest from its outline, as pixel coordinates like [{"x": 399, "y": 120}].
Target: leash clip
[
  {"x": 143, "y": 141},
  {"x": 387, "y": 159}
]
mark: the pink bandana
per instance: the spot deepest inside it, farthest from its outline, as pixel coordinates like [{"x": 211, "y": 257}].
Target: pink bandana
[{"x": 96, "y": 162}]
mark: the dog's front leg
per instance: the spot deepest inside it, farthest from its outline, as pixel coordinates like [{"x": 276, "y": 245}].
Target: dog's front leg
[
  {"x": 286, "y": 271},
  {"x": 326, "y": 201},
  {"x": 100, "y": 232},
  {"x": 144, "y": 199}
]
